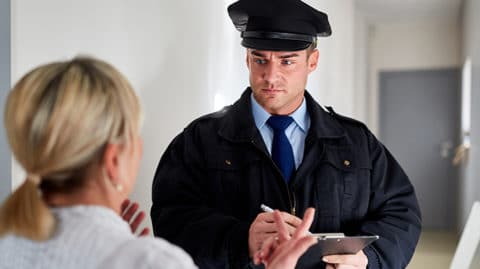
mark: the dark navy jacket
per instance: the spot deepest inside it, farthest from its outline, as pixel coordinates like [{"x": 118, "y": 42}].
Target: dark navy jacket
[{"x": 211, "y": 180}]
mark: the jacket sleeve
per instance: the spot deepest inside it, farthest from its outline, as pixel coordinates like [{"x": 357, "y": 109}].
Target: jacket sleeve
[
  {"x": 183, "y": 214},
  {"x": 394, "y": 213}
]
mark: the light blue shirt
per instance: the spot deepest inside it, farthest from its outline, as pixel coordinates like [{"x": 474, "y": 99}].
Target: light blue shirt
[{"x": 295, "y": 132}]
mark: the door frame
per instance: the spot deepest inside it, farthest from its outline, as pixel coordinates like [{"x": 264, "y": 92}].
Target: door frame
[{"x": 5, "y": 84}]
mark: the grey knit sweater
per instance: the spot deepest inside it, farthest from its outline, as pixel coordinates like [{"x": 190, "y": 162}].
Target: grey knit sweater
[{"x": 91, "y": 237}]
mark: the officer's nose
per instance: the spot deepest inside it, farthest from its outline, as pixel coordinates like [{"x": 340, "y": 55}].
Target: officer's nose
[{"x": 271, "y": 73}]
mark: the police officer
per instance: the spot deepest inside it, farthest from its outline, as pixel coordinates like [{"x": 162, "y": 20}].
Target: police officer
[{"x": 277, "y": 146}]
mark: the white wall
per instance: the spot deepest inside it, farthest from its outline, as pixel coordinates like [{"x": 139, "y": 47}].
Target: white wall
[
  {"x": 410, "y": 45},
  {"x": 362, "y": 63},
  {"x": 182, "y": 56},
  {"x": 470, "y": 182},
  {"x": 333, "y": 82}
]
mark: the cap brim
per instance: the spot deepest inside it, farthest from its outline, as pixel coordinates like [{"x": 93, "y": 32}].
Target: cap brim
[{"x": 274, "y": 44}]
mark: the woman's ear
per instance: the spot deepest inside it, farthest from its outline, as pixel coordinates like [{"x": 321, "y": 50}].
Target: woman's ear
[{"x": 111, "y": 163}]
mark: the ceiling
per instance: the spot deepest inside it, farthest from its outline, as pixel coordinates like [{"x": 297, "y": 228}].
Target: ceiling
[{"x": 406, "y": 10}]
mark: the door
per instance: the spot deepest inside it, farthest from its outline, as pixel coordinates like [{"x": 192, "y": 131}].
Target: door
[{"x": 419, "y": 124}]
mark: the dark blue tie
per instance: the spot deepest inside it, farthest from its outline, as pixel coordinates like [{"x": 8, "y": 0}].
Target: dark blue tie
[{"x": 282, "y": 153}]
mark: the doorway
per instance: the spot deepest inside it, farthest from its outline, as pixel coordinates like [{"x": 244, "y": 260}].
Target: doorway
[{"x": 420, "y": 125}]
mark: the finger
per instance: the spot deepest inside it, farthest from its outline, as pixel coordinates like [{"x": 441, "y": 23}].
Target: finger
[
  {"x": 291, "y": 230},
  {"x": 358, "y": 259},
  {"x": 124, "y": 205},
  {"x": 306, "y": 223},
  {"x": 127, "y": 216},
  {"x": 282, "y": 229},
  {"x": 257, "y": 258},
  {"x": 301, "y": 245},
  {"x": 144, "y": 232},
  {"x": 339, "y": 259},
  {"x": 288, "y": 252},
  {"x": 285, "y": 230},
  {"x": 330, "y": 266},
  {"x": 260, "y": 227},
  {"x": 267, "y": 248},
  {"x": 334, "y": 259},
  {"x": 265, "y": 217},
  {"x": 137, "y": 220},
  {"x": 291, "y": 219},
  {"x": 345, "y": 266}
]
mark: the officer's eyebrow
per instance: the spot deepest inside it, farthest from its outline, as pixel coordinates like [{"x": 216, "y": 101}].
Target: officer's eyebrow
[
  {"x": 288, "y": 56},
  {"x": 256, "y": 53},
  {"x": 259, "y": 54}
]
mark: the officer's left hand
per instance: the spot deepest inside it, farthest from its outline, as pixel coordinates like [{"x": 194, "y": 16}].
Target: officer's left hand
[{"x": 356, "y": 261}]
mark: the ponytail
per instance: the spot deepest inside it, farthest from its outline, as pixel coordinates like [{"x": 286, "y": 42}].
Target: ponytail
[{"x": 25, "y": 214}]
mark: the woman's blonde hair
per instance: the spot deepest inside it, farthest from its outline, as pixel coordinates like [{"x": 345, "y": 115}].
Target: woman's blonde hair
[{"x": 59, "y": 117}]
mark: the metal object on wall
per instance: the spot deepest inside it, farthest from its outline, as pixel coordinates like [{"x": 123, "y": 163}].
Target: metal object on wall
[{"x": 461, "y": 153}]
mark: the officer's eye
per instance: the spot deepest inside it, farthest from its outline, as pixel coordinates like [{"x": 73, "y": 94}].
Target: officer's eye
[
  {"x": 287, "y": 62},
  {"x": 260, "y": 61}
]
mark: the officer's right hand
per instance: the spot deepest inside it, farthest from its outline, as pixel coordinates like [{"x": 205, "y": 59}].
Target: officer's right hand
[
  {"x": 264, "y": 227},
  {"x": 283, "y": 251}
]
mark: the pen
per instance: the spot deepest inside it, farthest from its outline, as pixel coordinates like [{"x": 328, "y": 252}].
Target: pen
[{"x": 268, "y": 209}]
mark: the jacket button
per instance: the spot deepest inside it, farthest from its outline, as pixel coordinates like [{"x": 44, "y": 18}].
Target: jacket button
[
  {"x": 346, "y": 163},
  {"x": 228, "y": 162}
]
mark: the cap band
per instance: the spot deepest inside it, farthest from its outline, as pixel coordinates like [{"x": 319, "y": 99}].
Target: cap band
[{"x": 277, "y": 35}]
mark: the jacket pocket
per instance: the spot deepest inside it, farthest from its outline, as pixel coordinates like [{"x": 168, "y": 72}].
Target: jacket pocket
[
  {"x": 230, "y": 172},
  {"x": 231, "y": 160},
  {"x": 342, "y": 183}
]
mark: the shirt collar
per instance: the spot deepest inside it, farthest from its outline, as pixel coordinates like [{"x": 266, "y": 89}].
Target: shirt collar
[
  {"x": 300, "y": 116},
  {"x": 260, "y": 116}
]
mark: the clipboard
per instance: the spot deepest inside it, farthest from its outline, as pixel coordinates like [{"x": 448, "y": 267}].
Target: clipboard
[{"x": 331, "y": 244}]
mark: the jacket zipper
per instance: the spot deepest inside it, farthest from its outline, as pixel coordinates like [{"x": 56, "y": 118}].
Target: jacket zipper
[{"x": 291, "y": 195}]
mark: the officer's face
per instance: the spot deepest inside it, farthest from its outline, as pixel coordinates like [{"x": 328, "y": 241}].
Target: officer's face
[{"x": 278, "y": 78}]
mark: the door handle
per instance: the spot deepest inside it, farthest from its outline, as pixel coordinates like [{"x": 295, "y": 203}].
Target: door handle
[{"x": 461, "y": 154}]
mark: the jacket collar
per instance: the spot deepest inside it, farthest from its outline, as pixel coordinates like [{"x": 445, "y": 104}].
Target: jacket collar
[
  {"x": 323, "y": 124},
  {"x": 238, "y": 124}
]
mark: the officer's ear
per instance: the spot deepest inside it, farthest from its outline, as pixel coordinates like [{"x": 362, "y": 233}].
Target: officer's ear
[
  {"x": 247, "y": 59},
  {"x": 312, "y": 60}
]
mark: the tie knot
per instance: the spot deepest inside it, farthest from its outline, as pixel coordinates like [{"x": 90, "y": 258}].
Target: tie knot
[{"x": 279, "y": 123}]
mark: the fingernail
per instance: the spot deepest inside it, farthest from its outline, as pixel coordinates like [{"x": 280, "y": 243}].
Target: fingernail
[{"x": 325, "y": 259}]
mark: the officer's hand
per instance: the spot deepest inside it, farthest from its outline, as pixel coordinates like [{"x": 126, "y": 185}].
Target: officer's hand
[
  {"x": 128, "y": 210},
  {"x": 264, "y": 227},
  {"x": 283, "y": 251},
  {"x": 356, "y": 261}
]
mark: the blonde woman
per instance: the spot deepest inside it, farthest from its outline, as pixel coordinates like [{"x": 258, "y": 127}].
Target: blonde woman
[{"x": 74, "y": 128}]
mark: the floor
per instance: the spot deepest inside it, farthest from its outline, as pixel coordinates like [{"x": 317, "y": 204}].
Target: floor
[{"x": 434, "y": 250}]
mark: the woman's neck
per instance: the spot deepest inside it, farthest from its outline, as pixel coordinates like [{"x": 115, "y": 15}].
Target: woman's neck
[{"x": 85, "y": 196}]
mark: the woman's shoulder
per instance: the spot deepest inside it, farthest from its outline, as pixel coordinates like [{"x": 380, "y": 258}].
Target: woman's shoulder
[{"x": 148, "y": 252}]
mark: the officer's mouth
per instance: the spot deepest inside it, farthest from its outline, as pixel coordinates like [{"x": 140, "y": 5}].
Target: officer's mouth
[{"x": 271, "y": 91}]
